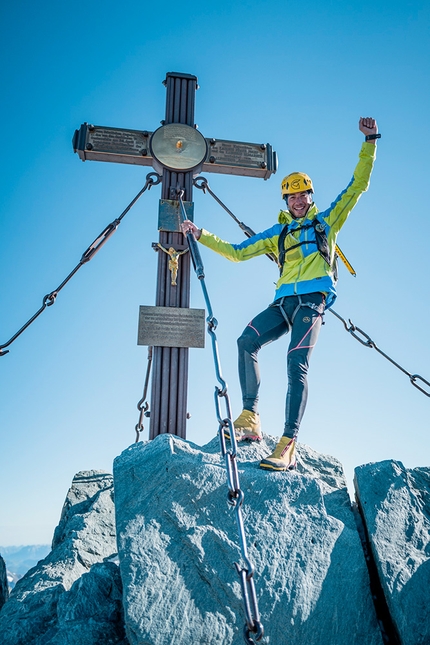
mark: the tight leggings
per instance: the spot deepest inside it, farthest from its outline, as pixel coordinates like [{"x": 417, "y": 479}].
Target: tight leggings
[{"x": 302, "y": 315}]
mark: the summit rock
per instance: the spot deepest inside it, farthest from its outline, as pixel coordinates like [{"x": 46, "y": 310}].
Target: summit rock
[{"x": 178, "y": 540}]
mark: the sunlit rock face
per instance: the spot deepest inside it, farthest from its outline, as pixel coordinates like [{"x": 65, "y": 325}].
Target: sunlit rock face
[
  {"x": 73, "y": 596},
  {"x": 395, "y": 503},
  {"x": 178, "y": 540}
]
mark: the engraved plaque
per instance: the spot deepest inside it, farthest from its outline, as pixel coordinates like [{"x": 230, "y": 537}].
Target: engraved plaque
[
  {"x": 238, "y": 154},
  {"x": 131, "y": 142},
  {"x": 96, "y": 143},
  {"x": 236, "y": 158},
  {"x": 168, "y": 215},
  {"x": 171, "y": 327}
]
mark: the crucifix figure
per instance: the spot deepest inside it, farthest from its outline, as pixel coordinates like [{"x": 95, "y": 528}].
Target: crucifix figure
[
  {"x": 173, "y": 261},
  {"x": 178, "y": 152}
]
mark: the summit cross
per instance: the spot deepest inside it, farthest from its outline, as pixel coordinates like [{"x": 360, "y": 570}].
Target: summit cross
[{"x": 178, "y": 154}]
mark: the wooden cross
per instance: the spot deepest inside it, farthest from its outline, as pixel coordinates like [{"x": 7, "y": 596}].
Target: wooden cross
[{"x": 98, "y": 143}]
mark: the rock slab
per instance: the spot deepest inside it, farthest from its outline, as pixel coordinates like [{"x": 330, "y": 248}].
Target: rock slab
[
  {"x": 395, "y": 505},
  {"x": 178, "y": 539},
  {"x": 74, "y": 595}
]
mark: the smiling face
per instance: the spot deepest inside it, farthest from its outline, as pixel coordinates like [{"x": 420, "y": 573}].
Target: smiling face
[{"x": 299, "y": 203}]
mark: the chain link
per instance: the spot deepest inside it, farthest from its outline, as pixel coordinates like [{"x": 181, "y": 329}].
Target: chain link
[
  {"x": 202, "y": 183},
  {"x": 143, "y": 405},
  {"x": 50, "y": 298},
  {"x": 235, "y": 496},
  {"x": 365, "y": 340}
]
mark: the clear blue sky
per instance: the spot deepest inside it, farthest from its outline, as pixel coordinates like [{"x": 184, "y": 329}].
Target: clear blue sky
[{"x": 296, "y": 76}]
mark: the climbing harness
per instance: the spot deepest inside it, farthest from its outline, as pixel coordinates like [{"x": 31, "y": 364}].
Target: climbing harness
[
  {"x": 202, "y": 183},
  {"x": 152, "y": 179},
  {"x": 235, "y": 495},
  {"x": 143, "y": 405},
  {"x": 309, "y": 305}
]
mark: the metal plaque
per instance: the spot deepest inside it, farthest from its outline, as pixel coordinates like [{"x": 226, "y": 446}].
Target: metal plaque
[
  {"x": 236, "y": 158},
  {"x": 169, "y": 215},
  {"x": 171, "y": 327},
  {"x": 97, "y": 143}
]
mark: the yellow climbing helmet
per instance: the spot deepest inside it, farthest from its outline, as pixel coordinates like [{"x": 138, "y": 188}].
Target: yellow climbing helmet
[{"x": 296, "y": 182}]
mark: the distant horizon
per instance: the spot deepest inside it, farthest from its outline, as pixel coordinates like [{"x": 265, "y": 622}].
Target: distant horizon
[
  {"x": 21, "y": 546},
  {"x": 17, "y": 565}
]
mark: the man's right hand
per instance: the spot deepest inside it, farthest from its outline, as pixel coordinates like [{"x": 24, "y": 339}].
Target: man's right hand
[
  {"x": 368, "y": 125},
  {"x": 189, "y": 227}
]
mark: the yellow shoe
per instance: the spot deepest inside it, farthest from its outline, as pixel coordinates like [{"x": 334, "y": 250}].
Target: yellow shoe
[
  {"x": 247, "y": 427},
  {"x": 283, "y": 457}
]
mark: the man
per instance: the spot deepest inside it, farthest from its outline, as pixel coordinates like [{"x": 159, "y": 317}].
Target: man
[{"x": 304, "y": 241}]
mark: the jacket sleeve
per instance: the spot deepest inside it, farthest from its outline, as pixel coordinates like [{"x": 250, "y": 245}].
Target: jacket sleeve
[
  {"x": 339, "y": 210},
  {"x": 258, "y": 244}
]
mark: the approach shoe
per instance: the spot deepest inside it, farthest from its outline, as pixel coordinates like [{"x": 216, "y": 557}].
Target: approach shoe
[
  {"x": 283, "y": 457},
  {"x": 247, "y": 427}
]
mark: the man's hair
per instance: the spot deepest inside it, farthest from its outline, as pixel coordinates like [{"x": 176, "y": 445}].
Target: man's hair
[{"x": 289, "y": 195}]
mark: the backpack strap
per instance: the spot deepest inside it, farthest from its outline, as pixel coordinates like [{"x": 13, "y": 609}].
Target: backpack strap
[{"x": 320, "y": 241}]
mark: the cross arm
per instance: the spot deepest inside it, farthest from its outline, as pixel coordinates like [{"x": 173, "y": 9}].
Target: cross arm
[{"x": 99, "y": 143}]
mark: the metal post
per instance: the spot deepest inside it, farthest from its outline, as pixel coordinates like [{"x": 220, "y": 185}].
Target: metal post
[{"x": 170, "y": 365}]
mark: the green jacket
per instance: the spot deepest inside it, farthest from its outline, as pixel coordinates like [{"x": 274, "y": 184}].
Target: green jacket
[{"x": 304, "y": 270}]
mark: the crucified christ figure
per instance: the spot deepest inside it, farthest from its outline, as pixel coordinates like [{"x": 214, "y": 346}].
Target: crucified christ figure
[{"x": 173, "y": 261}]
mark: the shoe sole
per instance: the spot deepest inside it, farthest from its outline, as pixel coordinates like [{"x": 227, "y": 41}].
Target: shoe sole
[
  {"x": 249, "y": 439},
  {"x": 266, "y": 465}
]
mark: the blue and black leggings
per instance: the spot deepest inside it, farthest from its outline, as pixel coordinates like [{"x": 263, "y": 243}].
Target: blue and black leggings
[{"x": 302, "y": 315}]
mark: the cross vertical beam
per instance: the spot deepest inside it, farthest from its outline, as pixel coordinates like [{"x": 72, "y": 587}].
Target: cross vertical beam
[
  {"x": 117, "y": 145},
  {"x": 170, "y": 364}
]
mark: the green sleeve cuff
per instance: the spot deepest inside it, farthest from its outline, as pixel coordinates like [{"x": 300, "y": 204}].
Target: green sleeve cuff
[{"x": 205, "y": 235}]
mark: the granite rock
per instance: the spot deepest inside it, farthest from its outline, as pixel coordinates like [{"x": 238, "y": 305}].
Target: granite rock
[
  {"x": 178, "y": 540},
  {"x": 55, "y": 600},
  {"x": 395, "y": 505}
]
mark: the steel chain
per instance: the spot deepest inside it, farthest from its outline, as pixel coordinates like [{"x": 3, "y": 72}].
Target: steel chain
[
  {"x": 143, "y": 405},
  {"x": 50, "y": 298},
  {"x": 235, "y": 496},
  {"x": 202, "y": 183},
  {"x": 368, "y": 342}
]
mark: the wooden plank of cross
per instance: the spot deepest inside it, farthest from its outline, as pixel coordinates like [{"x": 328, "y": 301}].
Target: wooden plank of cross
[{"x": 178, "y": 152}]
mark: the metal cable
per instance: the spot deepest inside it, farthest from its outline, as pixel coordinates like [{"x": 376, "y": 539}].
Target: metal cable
[
  {"x": 143, "y": 405},
  {"x": 352, "y": 329},
  {"x": 50, "y": 298},
  {"x": 235, "y": 497},
  {"x": 204, "y": 186}
]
